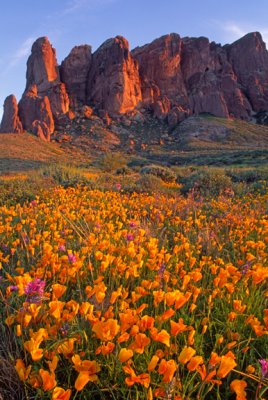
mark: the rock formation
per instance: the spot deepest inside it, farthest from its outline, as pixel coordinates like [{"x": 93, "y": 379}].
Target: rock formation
[
  {"x": 172, "y": 77},
  {"x": 35, "y": 111},
  {"x": 11, "y": 122},
  {"x": 74, "y": 73},
  {"x": 113, "y": 81}
]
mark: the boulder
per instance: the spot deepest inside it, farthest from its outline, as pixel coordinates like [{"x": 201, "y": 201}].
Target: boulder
[
  {"x": 41, "y": 130},
  {"x": 11, "y": 122}
]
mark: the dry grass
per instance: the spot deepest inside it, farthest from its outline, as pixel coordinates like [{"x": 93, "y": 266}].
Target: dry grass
[{"x": 25, "y": 152}]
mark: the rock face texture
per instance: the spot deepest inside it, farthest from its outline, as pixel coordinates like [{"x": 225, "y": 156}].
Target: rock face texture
[
  {"x": 113, "y": 81},
  {"x": 249, "y": 59},
  {"x": 35, "y": 111},
  {"x": 74, "y": 73},
  {"x": 172, "y": 77},
  {"x": 11, "y": 122}
]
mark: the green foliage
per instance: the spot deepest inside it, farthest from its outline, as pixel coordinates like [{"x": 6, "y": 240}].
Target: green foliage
[
  {"x": 165, "y": 173},
  {"x": 64, "y": 175},
  {"x": 21, "y": 190}
]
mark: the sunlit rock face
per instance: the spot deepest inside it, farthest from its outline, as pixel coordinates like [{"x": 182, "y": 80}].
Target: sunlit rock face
[
  {"x": 11, "y": 122},
  {"x": 160, "y": 69},
  {"x": 43, "y": 71},
  {"x": 35, "y": 111},
  {"x": 172, "y": 77},
  {"x": 113, "y": 81},
  {"x": 74, "y": 73}
]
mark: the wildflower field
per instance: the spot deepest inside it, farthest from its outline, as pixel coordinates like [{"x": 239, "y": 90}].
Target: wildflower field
[{"x": 116, "y": 295}]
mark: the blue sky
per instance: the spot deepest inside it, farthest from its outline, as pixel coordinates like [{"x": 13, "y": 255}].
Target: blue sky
[{"x": 72, "y": 22}]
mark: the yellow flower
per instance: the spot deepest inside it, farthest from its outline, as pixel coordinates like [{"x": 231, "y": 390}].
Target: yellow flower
[{"x": 125, "y": 355}]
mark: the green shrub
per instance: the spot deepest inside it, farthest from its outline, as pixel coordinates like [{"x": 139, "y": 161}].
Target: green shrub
[
  {"x": 248, "y": 175},
  {"x": 165, "y": 173},
  {"x": 149, "y": 183},
  {"x": 207, "y": 182},
  {"x": 65, "y": 175}
]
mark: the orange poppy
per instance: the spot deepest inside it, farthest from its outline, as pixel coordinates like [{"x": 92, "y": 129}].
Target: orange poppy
[
  {"x": 21, "y": 369},
  {"x": 48, "y": 379},
  {"x": 61, "y": 394},
  {"x": 106, "y": 330},
  {"x": 125, "y": 354},
  {"x": 141, "y": 341},
  {"x": 238, "y": 387},
  {"x": 167, "y": 369},
  {"x": 162, "y": 336},
  {"x": 152, "y": 364},
  {"x": 186, "y": 354},
  {"x": 226, "y": 365}
]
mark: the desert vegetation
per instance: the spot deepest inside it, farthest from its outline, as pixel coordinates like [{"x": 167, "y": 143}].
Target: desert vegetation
[{"x": 134, "y": 287}]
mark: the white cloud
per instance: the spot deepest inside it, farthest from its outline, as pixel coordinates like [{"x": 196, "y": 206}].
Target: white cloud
[
  {"x": 23, "y": 51},
  {"x": 234, "y": 30},
  {"x": 75, "y": 5}
]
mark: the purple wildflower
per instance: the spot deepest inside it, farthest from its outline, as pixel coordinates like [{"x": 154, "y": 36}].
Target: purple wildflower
[
  {"x": 71, "y": 258},
  {"x": 34, "y": 203},
  {"x": 64, "y": 329},
  {"x": 161, "y": 270},
  {"x": 264, "y": 367},
  {"x": 118, "y": 186},
  {"x": 61, "y": 248},
  {"x": 36, "y": 286},
  {"x": 13, "y": 288},
  {"x": 130, "y": 237},
  {"x": 5, "y": 248},
  {"x": 132, "y": 224}
]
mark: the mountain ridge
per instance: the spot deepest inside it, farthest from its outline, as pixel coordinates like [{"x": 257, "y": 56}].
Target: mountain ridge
[{"x": 171, "y": 77}]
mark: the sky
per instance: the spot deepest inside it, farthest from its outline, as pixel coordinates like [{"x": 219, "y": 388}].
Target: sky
[{"x": 68, "y": 23}]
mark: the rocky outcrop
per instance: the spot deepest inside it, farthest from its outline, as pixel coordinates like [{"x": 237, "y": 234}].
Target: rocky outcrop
[
  {"x": 74, "y": 73},
  {"x": 172, "y": 78},
  {"x": 160, "y": 69},
  {"x": 11, "y": 122},
  {"x": 114, "y": 82},
  {"x": 249, "y": 59},
  {"x": 35, "y": 113},
  {"x": 42, "y": 69}
]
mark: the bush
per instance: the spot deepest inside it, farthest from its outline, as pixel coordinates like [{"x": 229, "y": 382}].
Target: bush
[
  {"x": 207, "y": 182},
  {"x": 148, "y": 183},
  {"x": 165, "y": 173},
  {"x": 248, "y": 175},
  {"x": 111, "y": 162},
  {"x": 65, "y": 175}
]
